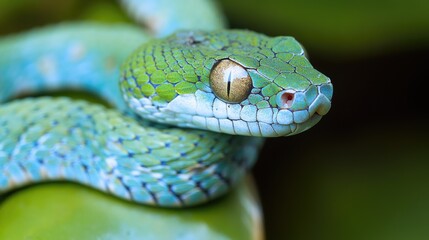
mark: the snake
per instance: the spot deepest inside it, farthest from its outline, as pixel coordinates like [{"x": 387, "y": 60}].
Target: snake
[{"x": 189, "y": 103}]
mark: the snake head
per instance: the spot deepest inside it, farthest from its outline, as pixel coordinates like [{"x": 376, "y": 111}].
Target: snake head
[{"x": 230, "y": 81}]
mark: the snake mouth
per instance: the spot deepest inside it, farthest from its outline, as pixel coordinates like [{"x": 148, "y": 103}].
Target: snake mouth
[
  {"x": 292, "y": 128},
  {"x": 301, "y": 127},
  {"x": 297, "y": 112},
  {"x": 265, "y": 122}
]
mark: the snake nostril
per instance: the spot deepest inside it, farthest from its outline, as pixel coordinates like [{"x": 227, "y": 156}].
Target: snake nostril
[{"x": 287, "y": 99}]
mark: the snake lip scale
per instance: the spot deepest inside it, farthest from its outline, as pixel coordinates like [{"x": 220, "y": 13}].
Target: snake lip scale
[{"x": 190, "y": 114}]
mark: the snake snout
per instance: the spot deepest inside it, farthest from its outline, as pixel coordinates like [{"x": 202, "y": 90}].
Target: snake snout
[
  {"x": 322, "y": 106},
  {"x": 300, "y": 106},
  {"x": 322, "y": 103}
]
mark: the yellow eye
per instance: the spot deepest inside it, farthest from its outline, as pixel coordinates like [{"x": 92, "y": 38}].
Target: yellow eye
[{"x": 230, "y": 81}]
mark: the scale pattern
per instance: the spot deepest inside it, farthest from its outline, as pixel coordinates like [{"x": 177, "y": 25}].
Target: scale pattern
[{"x": 52, "y": 139}]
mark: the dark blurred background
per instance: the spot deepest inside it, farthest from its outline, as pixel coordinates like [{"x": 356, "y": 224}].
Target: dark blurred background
[{"x": 362, "y": 172}]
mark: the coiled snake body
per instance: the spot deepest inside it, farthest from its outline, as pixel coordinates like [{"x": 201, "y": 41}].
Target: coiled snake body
[{"x": 234, "y": 86}]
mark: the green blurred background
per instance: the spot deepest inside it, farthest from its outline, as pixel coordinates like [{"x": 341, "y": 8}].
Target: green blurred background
[{"x": 362, "y": 172}]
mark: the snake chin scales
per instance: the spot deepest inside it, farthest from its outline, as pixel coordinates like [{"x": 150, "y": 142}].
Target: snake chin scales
[{"x": 286, "y": 94}]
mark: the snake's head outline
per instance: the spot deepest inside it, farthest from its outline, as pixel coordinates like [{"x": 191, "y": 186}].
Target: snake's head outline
[{"x": 229, "y": 81}]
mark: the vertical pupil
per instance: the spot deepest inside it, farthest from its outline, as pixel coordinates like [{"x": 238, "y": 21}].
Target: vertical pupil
[
  {"x": 230, "y": 81},
  {"x": 228, "y": 86}
]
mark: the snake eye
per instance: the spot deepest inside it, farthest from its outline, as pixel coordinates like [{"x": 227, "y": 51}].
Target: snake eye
[{"x": 230, "y": 81}]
